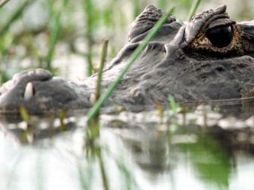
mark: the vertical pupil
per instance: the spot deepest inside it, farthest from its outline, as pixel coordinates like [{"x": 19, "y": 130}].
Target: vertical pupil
[{"x": 220, "y": 36}]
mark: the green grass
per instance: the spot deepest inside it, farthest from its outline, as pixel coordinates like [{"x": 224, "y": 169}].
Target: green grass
[
  {"x": 14, "y": 16},
  {"x": 94, "y": 20},
  {"x": 90, "y": 21},
  {"x": 94, "y": 110},
  {"x": 64, "y": 27},
  {"x": 3, "y": 2},
  {"x": 193, "y": 9},
  {"x": 108, "y": 18},
  {"x": 55, "y": 29}
]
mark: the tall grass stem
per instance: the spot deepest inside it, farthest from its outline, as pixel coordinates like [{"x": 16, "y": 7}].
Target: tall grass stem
[
  {"x": 103, "y": 172},
  {"x": 90, "y": 21},
  {"x": 136, "y": 54},
  {"x": 102, "y": 63},
  {"x": 3, "y": 2},
  {"x": 95, "y": 121},
  {"x": 16, "y": 15},
  {"x": 55, "y": 31},
  {"x": 193, "y": 9}
]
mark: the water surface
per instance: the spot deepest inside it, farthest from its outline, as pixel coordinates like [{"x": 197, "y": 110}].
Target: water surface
[{"x": 202, "y": 149}]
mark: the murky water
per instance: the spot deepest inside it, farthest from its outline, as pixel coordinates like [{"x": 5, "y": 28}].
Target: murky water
[{"x": 198, "y": 150}]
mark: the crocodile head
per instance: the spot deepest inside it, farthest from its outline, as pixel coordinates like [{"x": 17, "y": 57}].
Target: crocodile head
[
  {"x": 210, "y": 57},
  {"x": 207, "y": 58},
  {"x": 39, "y": 92}
]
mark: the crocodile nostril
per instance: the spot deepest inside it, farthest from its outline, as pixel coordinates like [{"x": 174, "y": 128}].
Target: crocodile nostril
[
  {"x": 29, "y": 91},
  {"x": 220, "y": 69}
]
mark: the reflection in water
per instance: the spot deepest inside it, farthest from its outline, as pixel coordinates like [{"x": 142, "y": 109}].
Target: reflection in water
[
  {"x": 210, "y": 160},
  {"x": 141, "y": 151},
  {"x": 150, "y": 151},
  {"x": 157, "y": 154}
]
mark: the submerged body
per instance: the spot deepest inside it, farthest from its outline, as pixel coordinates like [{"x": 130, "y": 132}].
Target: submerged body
[{"x": 208, "y": 58}]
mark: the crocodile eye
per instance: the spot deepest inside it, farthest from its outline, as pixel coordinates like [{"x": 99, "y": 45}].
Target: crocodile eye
[{"x": 220, "y": 36}]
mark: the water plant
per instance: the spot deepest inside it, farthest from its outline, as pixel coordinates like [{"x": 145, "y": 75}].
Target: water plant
[
  {"x": 54, "y": 31},
  {"x": 93, "y": 130},
  {"x": 2, "y": 3},
  {"x": 94, "y": 110},
  {"x": 193, "y": 9},
  {"x": 14, "y": 16},
  {"x": 89, "y": 9},
  {"x": 207, "y": 157}
]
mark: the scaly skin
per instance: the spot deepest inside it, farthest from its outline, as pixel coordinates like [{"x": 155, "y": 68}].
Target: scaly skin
[{"x": 179, "y": 61}]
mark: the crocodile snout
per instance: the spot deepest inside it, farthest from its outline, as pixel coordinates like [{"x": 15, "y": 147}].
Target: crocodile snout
[
  {"x": 41, "y": 93},
  {"x": 20, "y": 89}
]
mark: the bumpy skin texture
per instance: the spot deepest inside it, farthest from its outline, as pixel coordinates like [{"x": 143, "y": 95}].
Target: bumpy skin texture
[{"x": 179, "y": 61}]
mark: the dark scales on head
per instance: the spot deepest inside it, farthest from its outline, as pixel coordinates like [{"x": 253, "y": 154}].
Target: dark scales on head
[{"x": 208, "y": 58}]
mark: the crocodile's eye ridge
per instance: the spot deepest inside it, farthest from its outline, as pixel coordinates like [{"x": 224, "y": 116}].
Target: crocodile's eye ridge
[{"x": 220, "y": 36}]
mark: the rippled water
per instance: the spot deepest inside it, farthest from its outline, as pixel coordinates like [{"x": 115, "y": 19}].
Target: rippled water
[
  {"x": 201, "y": 149},
  {"x": 211, "y": 149}
]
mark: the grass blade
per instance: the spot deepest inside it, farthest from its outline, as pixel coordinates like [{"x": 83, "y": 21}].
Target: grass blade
[
  {"x": 103, "y": 171},
  {"x": 55, "y": 31},
  {"x": 3, "y": 2},
  {"x": 102, "y": 63},
  {"x": 90, "y": 22},
  {"x": 94, "y": 110},
  {"x": 193, "y": 9},
  {"x": 16, "y": 15},
  {"x": 95, "y": 121},
  {"x": 136, "y": 8}
]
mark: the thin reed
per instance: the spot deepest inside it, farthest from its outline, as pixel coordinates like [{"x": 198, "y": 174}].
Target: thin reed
[
  {"x": 3, "y": 2},
  {"x": 193, "y": 9},
  {"x": 16, "y": 15},
  {"x": 102, "y": 63},
  {"x": 93, "y": 133},
  {"x": 54, "y": 33},
  {"x": 136, "y": 54},
  {"x": 88, "y": 7}
]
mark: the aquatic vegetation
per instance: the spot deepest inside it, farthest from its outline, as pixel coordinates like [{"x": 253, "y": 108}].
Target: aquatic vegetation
[
  {"x": 121, "y": 151},
  {"x": 131, "y": 61},
  {"x": 55, "y": 29},
  {"x": 193, "y": 9}
]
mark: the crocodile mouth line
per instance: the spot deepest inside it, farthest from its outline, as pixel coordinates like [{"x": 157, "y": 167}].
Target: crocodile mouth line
[{"x": 203, "y": 55}]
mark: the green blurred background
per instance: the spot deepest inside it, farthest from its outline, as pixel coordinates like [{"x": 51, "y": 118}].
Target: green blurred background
[{"x": 65, "y": 36}]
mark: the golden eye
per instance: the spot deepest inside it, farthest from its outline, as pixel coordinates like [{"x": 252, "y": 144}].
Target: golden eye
[{"x": 220, "y": 36}]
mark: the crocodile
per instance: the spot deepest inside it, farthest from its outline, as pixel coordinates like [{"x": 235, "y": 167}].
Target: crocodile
[{"x": 210, "y": 57}]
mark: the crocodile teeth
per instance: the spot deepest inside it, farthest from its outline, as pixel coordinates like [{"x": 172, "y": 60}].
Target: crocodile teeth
[
  {"x": 92, "y": 98},
  {"x": 29, "y": 91}
]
